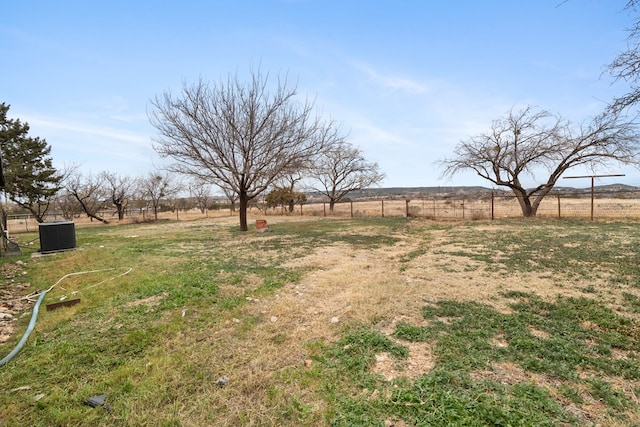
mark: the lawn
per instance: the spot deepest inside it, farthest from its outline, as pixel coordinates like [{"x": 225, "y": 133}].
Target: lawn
[{"x": 341, "y": 322}]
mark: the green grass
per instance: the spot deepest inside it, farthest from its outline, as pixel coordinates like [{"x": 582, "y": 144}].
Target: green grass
[
  {"x": 571, "y": 248},
  {"x": 156, "y": 339},
  {"x": 451, "y": 395}
]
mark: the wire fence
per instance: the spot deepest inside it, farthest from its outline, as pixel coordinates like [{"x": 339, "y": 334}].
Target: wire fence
[
  {"x": 486, "y": 206},
  {"x": 604, "y": 205}
]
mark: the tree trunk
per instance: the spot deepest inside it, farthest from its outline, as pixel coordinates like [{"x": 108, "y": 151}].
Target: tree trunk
[
  {"x": 87, "y": 211},
  {"x": 528, "y": 211},
  {"x": 120, "y": 209},
  {"x": 96, "y": 217},
  {"x": 332, "y": 203},
  {"x": 244, "y": 202},
  {"x": 39, "y": 218}
]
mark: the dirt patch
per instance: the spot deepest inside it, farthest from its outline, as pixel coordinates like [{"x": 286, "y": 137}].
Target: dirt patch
[
  {"x": 442, "y": 275},
  {"x": 539, "y": 333},
  {"x": 506, "y": 373},
  {"x": 14, "y": 298},
  {"x": 149, "y": 301},
  {"x": 420, "y": 362}
]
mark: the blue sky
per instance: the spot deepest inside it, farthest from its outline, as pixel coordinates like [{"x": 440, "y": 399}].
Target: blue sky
[{"x": 408, "y": 79}]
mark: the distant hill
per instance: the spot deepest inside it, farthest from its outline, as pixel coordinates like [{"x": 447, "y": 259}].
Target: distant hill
[{"x": 467, "y": 191}]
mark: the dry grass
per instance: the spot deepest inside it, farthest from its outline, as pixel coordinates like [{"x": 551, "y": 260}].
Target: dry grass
[{"x": 346, "y": 286}]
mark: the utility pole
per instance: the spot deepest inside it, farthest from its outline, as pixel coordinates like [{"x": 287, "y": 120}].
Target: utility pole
[{"x": 592, "y": 184}]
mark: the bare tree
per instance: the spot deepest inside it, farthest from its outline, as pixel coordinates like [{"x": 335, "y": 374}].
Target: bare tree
[
  {"x": 341, "y": 169},
  {"x": 119, "y": 189},
  {"x": 527, "y": 141},
  {"x": 626, "y": 66},
  {"x": 231, "y": 196},
  {"x": 201, "y": 192},
  {"x": 139, "y": 200},
  {"x": 285, "y": 197},
  {"x": 89, "y": 192},
  {"x": 66, "y": 204},
  {"x": 241, "y": 136},
  {"x": 156, "y": 187}
]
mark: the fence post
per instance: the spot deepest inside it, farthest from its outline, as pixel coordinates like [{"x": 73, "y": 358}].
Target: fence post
[
  {"x": 492, "y": 206},
  {"x": 382, "y": 207},
  {"x": 324, "y": 209},
  {"x": 407, "y": 207},
  {"x": 592, "y": 198},
  {"x": 558, "y": 196},
  {"x": 300, "y": 209},
  {"x": 351, "y": 209}
]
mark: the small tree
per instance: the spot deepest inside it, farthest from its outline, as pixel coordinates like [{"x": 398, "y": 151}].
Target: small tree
[
  {"x": 527, "y": 141},
  {"x": 231, "y": 196},
  {"x": 342, "y": 169},
  {"x": 30, "y": 178},
  {"x": 285, "y": 197},
  {"x": 119, "y": 189},
  {"x": 156, "y": 187},
  {"x": 66, "y": 204},
  {"x": 201, "y": 192},
  {"x": 241, "y": 136}
]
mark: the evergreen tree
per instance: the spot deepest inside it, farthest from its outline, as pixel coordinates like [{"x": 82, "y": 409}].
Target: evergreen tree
[{"x": 30, "y": 178}]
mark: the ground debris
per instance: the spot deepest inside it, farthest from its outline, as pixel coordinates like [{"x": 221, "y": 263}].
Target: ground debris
[
  {"x": 222, "y": 381},
  {"x": 95, "y": 401}
]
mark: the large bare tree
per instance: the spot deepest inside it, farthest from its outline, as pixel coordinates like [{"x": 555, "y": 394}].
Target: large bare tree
[
  {"x": 530, "y": 141},
  {"x": 239, "y": 135},
  {"x": 341, "y": 169}
]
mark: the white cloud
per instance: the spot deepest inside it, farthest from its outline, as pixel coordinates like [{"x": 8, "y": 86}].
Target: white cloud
[
  {"x": 53, "y": 125},
  {"x": 401, "y": 83}
]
